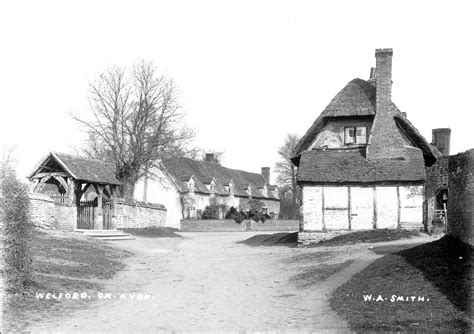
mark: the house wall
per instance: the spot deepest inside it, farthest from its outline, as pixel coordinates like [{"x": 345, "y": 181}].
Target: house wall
[
  {"x": 461, "y": 196},
  {"x": 161, "y": 190},
  {"x": 133, "y": 214},
  {"x": 361, "y": 207}
]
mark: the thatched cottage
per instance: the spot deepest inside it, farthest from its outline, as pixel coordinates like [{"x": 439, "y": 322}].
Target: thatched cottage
[
  {"x": 186, "y": 186},
  {"x": 361, "y": 165}
]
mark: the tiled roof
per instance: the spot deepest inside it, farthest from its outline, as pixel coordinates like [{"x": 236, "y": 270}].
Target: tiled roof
[
  {"x": 89, "y": 170},
  {"x": 82, "y": 169},
  {"x": 351, "y": 165},
  {"x": 357, "y": 98},
  {"x": 182, "y": 169}
]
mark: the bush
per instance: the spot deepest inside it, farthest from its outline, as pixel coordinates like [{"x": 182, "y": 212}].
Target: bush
[
  {"x": 209, "y": 213},
  {"x": 17, "y": 230},
  {"x": 239, "y": 217}
]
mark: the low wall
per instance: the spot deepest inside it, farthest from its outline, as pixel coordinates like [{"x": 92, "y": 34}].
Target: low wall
[
  {"x": 276, "y": 225},
  {"x": 229, "y": 225},
  {"x": 135, "y": 214},
  {"x": 42, "y": 211},
  {"x": 47, "y": 214},
  {"x": 461, "y": 196},
  {"x": 205, "y": 225}
]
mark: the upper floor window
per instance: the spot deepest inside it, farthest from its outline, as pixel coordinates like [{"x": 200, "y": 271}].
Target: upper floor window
[{"x": 355, "y": 135}]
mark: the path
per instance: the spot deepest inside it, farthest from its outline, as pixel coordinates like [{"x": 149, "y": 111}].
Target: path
[{"x": 208, "y": 282}]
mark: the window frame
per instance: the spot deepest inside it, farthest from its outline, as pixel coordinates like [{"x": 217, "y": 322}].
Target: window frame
[{"x": 354, "y": 143}]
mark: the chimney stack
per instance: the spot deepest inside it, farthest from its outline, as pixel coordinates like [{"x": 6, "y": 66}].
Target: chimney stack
[
  {"x": 385, "y": 141},
  {"x": 210, "y": 157},
  {"x": 372, "y": 75},
  {"x": 266, "y": 174},
  {"x": 442, "y": 139}
]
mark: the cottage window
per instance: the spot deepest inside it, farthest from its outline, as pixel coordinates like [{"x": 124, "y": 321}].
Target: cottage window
[{"x": 355, "y": 135}]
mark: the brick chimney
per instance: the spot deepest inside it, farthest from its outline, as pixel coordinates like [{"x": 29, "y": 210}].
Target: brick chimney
[
  {"x": 442, "y": 139},
  {"x": 210, "y": 157},
  {"x": 266, "y": 174},
  {"x": 385, "y": 141}
]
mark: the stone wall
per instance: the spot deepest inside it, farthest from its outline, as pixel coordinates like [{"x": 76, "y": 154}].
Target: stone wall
[
  {"x": 208, "y": 225},
  {"x": 42, "y": 211},
  {"x": 436, "y": 181},
  {"x": 461, "y": 195},
  {"x": 66, "y": 217},
  {"x": 47, "y": 214},
  {"x": 276, "y": 225},
  {"x": 136, "y": 214}
]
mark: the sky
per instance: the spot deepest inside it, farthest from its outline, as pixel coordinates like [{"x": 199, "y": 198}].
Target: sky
[{"x": 249, "y": 72}]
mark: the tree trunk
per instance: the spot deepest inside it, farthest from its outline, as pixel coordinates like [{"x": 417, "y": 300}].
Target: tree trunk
[{"x": 128, "y": 188}]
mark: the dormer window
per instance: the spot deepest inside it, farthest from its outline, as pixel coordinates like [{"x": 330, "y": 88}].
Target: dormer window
[
  {"x": 355, "y": 135},
  {"x": 231, "y": 188},
  {"x": 212, "y": 187},
  {"x": 191, "y": 184}
]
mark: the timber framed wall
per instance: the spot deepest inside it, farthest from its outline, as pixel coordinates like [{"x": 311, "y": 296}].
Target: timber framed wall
[{"x": 355, "y": 207}]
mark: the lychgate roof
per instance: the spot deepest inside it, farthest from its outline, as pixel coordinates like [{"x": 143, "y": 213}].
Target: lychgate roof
[
  {"x": 79, "y": 168},
  {"x": 181, "y": 169}
]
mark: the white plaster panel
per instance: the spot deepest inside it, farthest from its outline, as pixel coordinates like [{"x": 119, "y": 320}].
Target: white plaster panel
[
  {"x": 312, "y": 208},
  {"x": 362, "y": 208},
  {"x": 387, "y": 207},
  {"x": 336, "y": 197},
  {"x": 336, "y": 219}
]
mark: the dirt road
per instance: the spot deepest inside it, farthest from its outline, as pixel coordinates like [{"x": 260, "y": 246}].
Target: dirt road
[{"x": 208, "y": 282}]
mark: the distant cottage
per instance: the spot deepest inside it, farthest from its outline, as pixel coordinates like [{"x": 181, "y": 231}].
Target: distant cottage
[
  {"x": 361, "y": 165},
  {"x": 186, "y": 186}
]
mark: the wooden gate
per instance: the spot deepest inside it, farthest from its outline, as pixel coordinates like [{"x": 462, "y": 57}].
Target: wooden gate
[
  {"x": 86, "y": 214},
  {"x": 107, "y": 207}
]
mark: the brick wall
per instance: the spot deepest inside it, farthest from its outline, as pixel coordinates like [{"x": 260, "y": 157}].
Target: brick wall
[
  {"x": 135, "y": 214},
  {"x": 461, "y": 195}
]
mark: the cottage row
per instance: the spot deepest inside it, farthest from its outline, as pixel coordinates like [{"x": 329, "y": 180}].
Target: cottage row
[{"x": 361, "y": 165}]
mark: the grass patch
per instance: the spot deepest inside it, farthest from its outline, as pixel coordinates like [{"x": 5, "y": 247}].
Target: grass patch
[
  {"x": 439, "y": 271},
  {"x": 62, "y": 263},
  {"x": 153, "y": 232},
  {"x": 276, "y": 239},
  {"x": 367, "y": 236},
  {"x": 318, "y": 273}
]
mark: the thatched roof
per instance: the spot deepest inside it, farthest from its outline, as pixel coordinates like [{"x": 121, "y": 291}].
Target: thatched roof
[
  {"x": 357, "y": 98},
  {"x": 80, "y": 169},
  {"x": 333, "y": 166},
  {"x": 182, "y": 169}
]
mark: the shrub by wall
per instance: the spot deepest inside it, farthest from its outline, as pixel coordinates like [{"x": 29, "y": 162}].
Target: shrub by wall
[{"x": 17, "y": 231}]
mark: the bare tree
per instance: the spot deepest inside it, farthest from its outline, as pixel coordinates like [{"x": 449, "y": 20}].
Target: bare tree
[
  {"x": 285, "y": 169},
  {"x": 7, "y": 160},
  {"x": 136, "y": 121}
]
